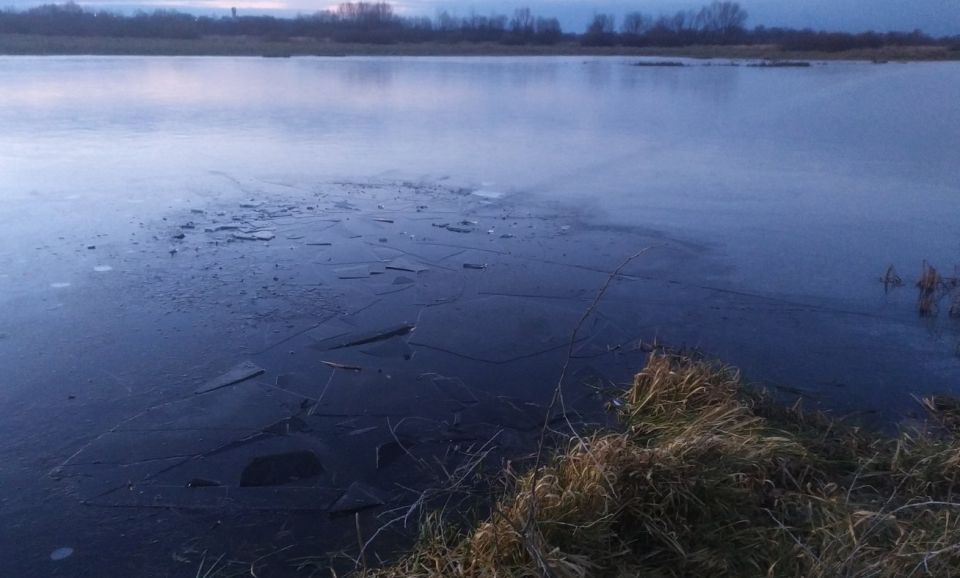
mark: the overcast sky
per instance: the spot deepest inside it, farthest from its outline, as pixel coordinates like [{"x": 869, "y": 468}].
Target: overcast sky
[{"x": 934, "y": 16}]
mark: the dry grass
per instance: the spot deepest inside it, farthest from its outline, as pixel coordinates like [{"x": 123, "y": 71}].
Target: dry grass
[
  {"x": 933, "y": 288},
  {"x": 706, "y": 479},
  {"x": 929, "y": 285}
]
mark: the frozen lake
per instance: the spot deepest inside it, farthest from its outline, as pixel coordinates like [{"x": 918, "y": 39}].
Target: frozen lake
[{"x": 412, "y": 239}]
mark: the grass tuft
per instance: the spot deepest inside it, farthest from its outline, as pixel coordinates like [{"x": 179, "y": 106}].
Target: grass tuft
[{"x": 707, "y": 478}]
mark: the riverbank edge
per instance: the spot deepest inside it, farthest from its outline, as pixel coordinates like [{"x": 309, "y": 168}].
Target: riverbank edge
[
  {"x": 707, "y": 476},
  {"x": 35, "y": 45}
]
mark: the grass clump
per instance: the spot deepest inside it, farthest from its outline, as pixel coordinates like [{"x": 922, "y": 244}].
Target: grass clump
[{"x": 705, "y": 478}]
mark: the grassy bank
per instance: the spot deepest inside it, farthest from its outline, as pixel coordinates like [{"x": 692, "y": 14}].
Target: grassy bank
[
  {"x": 25, "y": 44},
  {"x": 705, "y": 478}
]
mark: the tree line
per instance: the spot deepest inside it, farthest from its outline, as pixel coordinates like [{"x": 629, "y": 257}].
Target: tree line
[{"x": 721, "y": 22}]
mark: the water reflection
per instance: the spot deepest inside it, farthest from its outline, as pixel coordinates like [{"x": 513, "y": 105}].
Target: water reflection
[{"x": 841, "y": 150}]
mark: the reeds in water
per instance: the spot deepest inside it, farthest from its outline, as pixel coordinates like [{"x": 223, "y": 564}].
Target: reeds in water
[{"x": 929, "y": 286}]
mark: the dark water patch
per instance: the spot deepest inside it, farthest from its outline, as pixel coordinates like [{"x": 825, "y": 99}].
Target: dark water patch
[
  {"x": 780, "y": 64},
  {"x": 279, "y": 469},
  {"x": 659, "y": 63}
]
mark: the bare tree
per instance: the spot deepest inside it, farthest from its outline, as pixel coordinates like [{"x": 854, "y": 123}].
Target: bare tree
[
  {"x": 548, "y": 30},
  {"x": 601, "y": 24},
  {"x": 682, "y": 21},
  {"x": 723, "y": 18},
  {"x": 366, "y": 13},
  {"x": 446, "y": 22},
  {"x": 635, "y": 23},
  {"x": 522, "y": 23},
  {"x": 600, "y": 31}
]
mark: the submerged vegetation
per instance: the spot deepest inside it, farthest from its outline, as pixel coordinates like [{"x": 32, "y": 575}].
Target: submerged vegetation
[
  {"x": 376, "y": 23},
  {"x": 706, "y": 477}
]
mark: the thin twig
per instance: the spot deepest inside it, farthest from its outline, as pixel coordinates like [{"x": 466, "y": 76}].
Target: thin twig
[{"x": 559, "y": 399}]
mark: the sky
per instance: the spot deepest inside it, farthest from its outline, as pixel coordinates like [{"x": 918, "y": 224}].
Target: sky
[{"x": 938, "y": 17}]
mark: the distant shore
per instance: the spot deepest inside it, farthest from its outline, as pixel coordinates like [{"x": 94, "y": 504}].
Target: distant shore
[{"x": 23, "y": 44}]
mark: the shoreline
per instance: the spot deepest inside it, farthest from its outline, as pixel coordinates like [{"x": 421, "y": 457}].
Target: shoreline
[
  {"x": 705, "y": 473},
  {"x": 35, "y": 45}
]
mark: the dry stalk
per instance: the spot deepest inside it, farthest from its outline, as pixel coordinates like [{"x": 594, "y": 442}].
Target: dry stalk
[
  {"x": 928, "y": 285},
  {"x": 558, "y": 398},
  {"x": 891, "y": 279}
]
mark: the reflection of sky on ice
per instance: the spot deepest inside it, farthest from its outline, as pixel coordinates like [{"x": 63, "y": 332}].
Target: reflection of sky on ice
[{"x": 844, "y": 168}]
